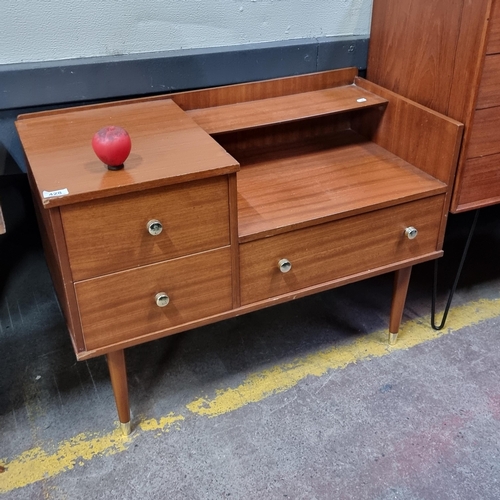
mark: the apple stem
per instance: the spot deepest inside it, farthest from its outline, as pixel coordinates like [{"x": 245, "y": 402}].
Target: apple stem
[{"x": 116, "y": 167}]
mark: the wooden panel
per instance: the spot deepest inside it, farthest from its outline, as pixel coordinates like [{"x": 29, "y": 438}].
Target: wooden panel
[
  {"x": 412, "y": 43},
  {"x": 494, "y": 37},
  {"x": 167, "y": 148},
  {"x": 284, "y": 189},
  {"x": 109, "y": 235},
  {"x": 233, "y": 230},
  {"x": 480, "y": 184},
  {"x": 485, "y": 135},
  {"x": 428, "y": 140},
  {"x": 337, "y": 249},
  {"x": 468, "y": 60},
  {"x": 56, "y": 255},
  {"x": 122, "y": 306},
  {"x": 267, "y": 89},
  {"x": 275, "y": 110},
  {"x": 489, "y": 90}
]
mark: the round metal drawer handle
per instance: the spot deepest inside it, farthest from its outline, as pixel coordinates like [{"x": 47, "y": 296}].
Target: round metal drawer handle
[
  {"x": 284, "y": 265},
  {"x": 162, "y": 299},
  {"x": 411, "y": 232},
  {"x": 154, "y": 227}
]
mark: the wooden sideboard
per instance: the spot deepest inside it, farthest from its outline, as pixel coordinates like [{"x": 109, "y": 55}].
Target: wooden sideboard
[
  {"x": 234, "y": 199},
  {"x": 445, "y": 54}
]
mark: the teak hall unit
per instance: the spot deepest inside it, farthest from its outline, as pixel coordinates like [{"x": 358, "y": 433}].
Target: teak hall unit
[
  {"x": 234, "y": 199},
  {"x": 445, "y": 54}
]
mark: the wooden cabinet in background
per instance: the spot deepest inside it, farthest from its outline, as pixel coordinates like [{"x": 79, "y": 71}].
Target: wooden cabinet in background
[
  {"x": 234, "y": 199},
  {"x": 445, "y": 54}
]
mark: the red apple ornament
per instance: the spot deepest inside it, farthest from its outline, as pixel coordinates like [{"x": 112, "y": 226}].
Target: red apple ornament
[{"x": 112, "y": 146}]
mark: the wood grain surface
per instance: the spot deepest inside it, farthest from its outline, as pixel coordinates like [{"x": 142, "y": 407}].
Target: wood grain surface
[
  {"x": 167, "y": 148},
  {"x": 410, "y": 46},
  {"x": 423, "y": 137},
  {"x": 485, "y": 135},
  {"x": 122, "y": 306},
  {"x": 494, "y": 37},
  {"x": 284, "y": 189},
  {"x": 329, "y": 251},
  {"x": 111, "y": 234},
  {"x": 480, "y": 184},
  {"x": 489, "y": 88},
  {"x": 266, "y": 89},
  {"x": 433, "y": 52},
  {"x": 283, "y": 109}
]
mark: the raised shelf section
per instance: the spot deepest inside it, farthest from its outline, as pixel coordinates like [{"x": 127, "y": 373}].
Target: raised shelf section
[
  {"x": 286, "y": 188},
  {"x": 252, "y": 114}
]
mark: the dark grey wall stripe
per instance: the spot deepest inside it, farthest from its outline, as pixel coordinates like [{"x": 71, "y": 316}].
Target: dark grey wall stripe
[{"x": 56, "y": 83}]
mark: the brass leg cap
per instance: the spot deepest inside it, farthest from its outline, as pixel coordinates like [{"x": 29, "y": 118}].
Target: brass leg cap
[
  {"x": 126, "y": 428},
  {"x": 393, "y": 337}
]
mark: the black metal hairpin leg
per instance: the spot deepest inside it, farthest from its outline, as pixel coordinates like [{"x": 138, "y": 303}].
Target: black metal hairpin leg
[{"x": 455, "y": 283}]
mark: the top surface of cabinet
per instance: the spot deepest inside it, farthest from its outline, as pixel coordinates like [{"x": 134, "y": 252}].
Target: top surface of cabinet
[{"x": 168, "y": 147}]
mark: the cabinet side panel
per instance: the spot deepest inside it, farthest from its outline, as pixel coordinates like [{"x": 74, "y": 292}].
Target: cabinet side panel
[
  {"x": 49, "y": 223},
  {"x": 428, "y": 140},
  {"x": 412, "y": 47}
]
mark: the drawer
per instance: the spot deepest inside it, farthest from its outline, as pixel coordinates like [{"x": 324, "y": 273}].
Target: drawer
[
  {"x": 480, "y": 183},
  {"x": 122, "y": 306},
  {"x": 489, "y": 90},
  {"x": 109, "y": 235},
  {"x": 494, "y": 37},
  {"x": 485, "y": 135},
  {"x": 329, "y": 251}
]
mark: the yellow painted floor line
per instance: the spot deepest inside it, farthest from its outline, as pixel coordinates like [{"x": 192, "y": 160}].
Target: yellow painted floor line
[{"x": 50, "y": 460}]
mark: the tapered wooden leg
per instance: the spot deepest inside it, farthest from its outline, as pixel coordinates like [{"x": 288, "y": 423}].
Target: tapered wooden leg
[
  {"x": 118, "y": 374},
  {"x": 401, "y": 282}
]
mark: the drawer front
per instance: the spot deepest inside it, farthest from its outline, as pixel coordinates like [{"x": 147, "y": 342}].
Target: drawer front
[
  {"x": 123, "y": 306},
  {"x": 485, "y": 135},
  {"x": 109, "y": 235},
  {"x": 494, "y": 37},
  {"x": 489, "y": 89},
  {"x": 329, "y": 251},
  {"x": 480, "y": 183}
]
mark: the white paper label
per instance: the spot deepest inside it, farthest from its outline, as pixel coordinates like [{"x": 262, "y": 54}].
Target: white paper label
[
  {"x": 53, "y": 194},
  {"x": 362, "y": 99}
]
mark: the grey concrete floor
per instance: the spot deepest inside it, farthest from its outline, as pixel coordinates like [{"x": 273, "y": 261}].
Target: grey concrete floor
[{"x": 300, "y": 401}]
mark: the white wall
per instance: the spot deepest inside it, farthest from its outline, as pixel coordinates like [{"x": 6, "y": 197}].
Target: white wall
[{"x": 45, "y": 30}]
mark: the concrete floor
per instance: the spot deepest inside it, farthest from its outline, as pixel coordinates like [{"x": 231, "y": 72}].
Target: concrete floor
[{"x": 301, "y": 401}]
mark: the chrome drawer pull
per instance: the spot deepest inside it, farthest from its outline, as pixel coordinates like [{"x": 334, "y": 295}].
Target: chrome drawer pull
[
  {"x": 154, "y": 227},
  {"x": 284, "y": 265},
  {"x": 411, "y": 232},
  {"x": 162, "y": 299}
]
